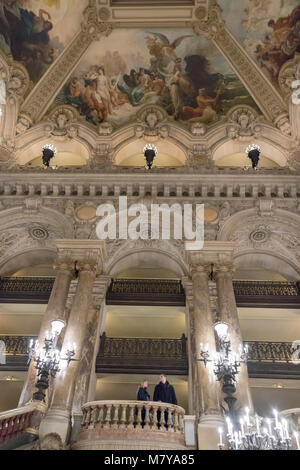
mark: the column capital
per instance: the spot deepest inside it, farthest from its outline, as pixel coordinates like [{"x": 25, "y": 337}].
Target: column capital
[
  {"x": 198, "y": 269},
  {"x": 89, "y": 255},
  {"x": 223, "y": 268},
  {"x": 218, "y": 253}
]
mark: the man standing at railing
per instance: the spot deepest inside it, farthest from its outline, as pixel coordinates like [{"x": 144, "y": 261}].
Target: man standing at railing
[{"x": 164, "y": 392}]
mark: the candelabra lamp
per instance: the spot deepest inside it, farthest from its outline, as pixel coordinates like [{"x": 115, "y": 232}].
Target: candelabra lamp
[
  {"x": 48, "y": 359},
  {"x": 256, "y": 433},
  {"x": 226, "y": 366},
  {"x": 49, "y": 151},
  {"x": 253, "y": 152},
  {"x": 150, "y": 151}
]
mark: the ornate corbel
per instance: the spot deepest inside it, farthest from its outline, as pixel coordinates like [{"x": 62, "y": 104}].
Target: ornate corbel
[
  {"x": 152, "y": 123},
  {"x": 243, "y": 123},
  {"x": 61, "y": 123}
]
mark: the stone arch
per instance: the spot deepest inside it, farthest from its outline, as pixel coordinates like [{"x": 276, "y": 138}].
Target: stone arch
[
  {"x": 29, "y": 146},
  {"x": 270, "y": 149},
  {"x": 269, "y": 240},
  {"x": 27, "y": 258},
  {"x": 134, "y": 146},
  {"x": 28, "y": 236},
  {"x": 132, "y": 253},
  {"x": 269, "y": 261}
]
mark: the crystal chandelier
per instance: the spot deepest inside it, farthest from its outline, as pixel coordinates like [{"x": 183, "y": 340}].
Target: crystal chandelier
[
  {"x": 256, "y": 433},
  {"x": 48, "y": 359}
]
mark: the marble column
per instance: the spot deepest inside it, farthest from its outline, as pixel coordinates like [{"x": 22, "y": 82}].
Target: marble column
[
  {"x": 203, "y": 334},
  {"x": 55, "y": 309},
  {"x": 87, "y": 381},
  {"x": 90, "y": 256},
  {"x": 206, "y": 388},
  {"x": 229, "y": 314}
]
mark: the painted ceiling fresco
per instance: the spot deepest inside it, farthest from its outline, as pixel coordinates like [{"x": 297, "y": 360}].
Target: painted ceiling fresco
[
  {"x": 35, "y": 32},
  {"x": 269, "y": 30},
  {"x": 175, "y": 69}
]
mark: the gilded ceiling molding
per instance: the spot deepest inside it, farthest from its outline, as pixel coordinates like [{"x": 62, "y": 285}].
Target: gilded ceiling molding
[
  {"x": 43, "y": 94},
  {"x": 268, "y": 99}
]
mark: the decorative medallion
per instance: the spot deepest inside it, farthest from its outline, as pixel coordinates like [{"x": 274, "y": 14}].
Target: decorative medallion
[{"x": 38, "y": 233}]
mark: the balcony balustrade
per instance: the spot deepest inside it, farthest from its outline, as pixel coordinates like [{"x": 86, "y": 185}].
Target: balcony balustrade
[
  {"x": 164, "y": 292},
  {"x": 20, "y": 426},
  {"x": 266, "y": 359},
  {"x": 119, "y": 424}
]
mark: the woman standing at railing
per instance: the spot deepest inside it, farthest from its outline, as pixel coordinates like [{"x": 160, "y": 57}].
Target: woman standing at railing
[{"x": 143, "y": 395}]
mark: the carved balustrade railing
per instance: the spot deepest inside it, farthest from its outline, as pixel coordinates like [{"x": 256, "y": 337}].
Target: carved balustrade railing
[
  {"x": 137, "y": 355},
  {"x": 148, "y": 347},
  {"x": 168, "y": 292},
  {"x": 14, "y": 352},
  {"x": 136, "y": 183},
  {"x": 20, "y": 426},
  {"x": 153, "y": 355},
  {"x": 16, "y": 345},
  {"x": 139, "y": 415},
  {"x": 267, "y": 294},
  {"x": 266, "y": 288},
  {"x": 266, "y": 351},
  {"x": 20, "y": 289},
  {"x": 146, "y": 292},
  {"x": 130, "y": 424}
]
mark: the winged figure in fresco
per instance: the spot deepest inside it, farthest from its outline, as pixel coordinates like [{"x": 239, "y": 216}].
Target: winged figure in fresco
[{"x": 163, "y": 52}]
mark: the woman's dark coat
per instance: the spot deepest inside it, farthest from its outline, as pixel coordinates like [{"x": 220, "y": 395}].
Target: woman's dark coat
[{"x": 143, "y": 395}]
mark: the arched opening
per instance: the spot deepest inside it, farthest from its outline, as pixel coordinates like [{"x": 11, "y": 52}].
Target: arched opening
[
  {"x": 232, "y": 154},
  {"x": 146, "y": 334},
  {"x": 69, "y": 153},
  {"x": 169, "y": 154},
  {"x": 20, "y": 317},
  {"x": 267, "y": 325}
]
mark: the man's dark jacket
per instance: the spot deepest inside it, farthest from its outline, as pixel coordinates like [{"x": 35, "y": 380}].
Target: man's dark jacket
[{"x": 165, "y": 393}]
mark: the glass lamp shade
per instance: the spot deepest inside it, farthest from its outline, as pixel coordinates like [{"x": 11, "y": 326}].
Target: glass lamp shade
[
  {"x": 221, "y": 329},
  {"x": 57, "y": 326}
]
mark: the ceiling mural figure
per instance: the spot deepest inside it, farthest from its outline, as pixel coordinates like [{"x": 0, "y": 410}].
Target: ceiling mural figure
[
  {"x": 32, "y": 31},
  {"x": 268, "y": 29},
  {"x": 184, "y": 74}
]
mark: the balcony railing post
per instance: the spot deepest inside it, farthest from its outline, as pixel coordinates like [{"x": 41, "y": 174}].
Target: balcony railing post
[
  {"x": 123, "y": 416},
  {"x": 147, "y": 417},
  {"x": 107, "y": 422},
  {"x": 115, "y": 416},
  {"x": 131, "y": 416}
]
